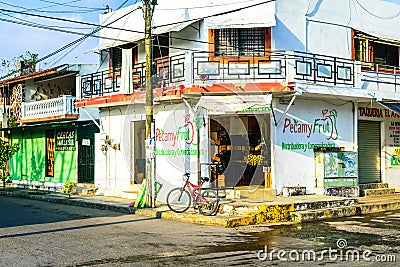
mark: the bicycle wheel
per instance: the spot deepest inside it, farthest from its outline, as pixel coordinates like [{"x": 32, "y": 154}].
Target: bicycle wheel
[
  {"x": 179, "y": 200},
  {"x": 210, "y": 203}
]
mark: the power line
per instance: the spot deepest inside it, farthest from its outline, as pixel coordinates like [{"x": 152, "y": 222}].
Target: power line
[
  {"x": 72, "y": 43},
  {"x": 32, "y": 24},
  {"x": 67, "y": 4},
  {"x": 128, "y": 30},
  {"x": 99, "y": 27},
  {"x": 86, "y": 23},
  {"x": 56, "y": 5},
  {"x": 41, "y": 26},
  {"x": 86, "y": 36}
]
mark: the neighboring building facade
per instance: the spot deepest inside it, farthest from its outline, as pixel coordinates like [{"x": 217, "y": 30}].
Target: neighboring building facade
[
  {"x": 56, "y": 140},
  {"x": 260, "y": 90}
]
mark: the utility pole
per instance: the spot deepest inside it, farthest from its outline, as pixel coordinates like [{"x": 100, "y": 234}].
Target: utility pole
[{"x": 148, "y": 7}]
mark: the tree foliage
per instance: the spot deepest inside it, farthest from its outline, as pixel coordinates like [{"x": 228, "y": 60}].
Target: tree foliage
[
  {"x": 6, "y": 152},
  {"x": 11, "y": 65}
]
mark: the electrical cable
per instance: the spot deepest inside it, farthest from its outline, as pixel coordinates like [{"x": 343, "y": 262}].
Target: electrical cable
[
  {"x": 67, "y": 4},
  {"x": 38, "y": 25},
  {"x": 72, "y": 43},
  {"x": 128, "y": 30},
  {"x": 49, "y": 11},
  {"x": 107, "y": 25},
  {"x": 60, "y": 30}
]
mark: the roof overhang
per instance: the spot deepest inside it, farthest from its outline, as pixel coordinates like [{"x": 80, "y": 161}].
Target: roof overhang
[
  {"x": 336, "y": 92},
  {"x": 393, "y": 106},
  {"x": 260, "y": 15},
  {"x": 139, "y": 35},
  {"x": 376, "y": 37},
  {"x": 40, "y": 75}
]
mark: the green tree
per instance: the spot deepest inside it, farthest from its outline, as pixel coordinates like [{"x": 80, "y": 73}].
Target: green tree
[
  {"x": 11, "y": 65},
  {"x": 6, "y": 152}
]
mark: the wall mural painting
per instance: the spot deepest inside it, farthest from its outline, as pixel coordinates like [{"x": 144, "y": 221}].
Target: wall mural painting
[
  {"x": 47, "y": 91},
  {"x": 17, "y": 97}
]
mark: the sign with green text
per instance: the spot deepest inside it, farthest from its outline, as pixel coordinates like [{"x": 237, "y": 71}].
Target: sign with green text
[{"x": 65, "y": 139}]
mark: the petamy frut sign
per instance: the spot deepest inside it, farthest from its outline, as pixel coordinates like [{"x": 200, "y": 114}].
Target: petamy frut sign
[
  {"x": 178, "y": 141},
  {"x": 303, "y": 134}
]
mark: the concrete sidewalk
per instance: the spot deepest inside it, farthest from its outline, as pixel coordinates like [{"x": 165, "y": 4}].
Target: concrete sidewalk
[{"x": 238, "y": 212}]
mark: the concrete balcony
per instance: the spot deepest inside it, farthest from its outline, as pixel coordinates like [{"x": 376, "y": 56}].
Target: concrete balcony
[
  {"x": 262, "y": 67},
  {"x": 61, "y": 108}
]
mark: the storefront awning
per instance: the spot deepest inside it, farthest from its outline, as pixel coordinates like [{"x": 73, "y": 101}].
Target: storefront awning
[
  {"x": 393, "y": 106},
  {"x": 377, "y": 37},
  {"x": 236, "y": 103},
  {"x": 139, "y": 35}
]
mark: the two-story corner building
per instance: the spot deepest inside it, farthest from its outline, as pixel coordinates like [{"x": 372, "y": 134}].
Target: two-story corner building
[
  {"x": 56, "y": 140},
  {"x": 279, "y": 94}
]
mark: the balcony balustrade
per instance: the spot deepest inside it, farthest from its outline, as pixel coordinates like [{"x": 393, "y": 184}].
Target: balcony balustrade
[
  {"x": 50, "y": 109},
  {"x": 251, "y": 67}
]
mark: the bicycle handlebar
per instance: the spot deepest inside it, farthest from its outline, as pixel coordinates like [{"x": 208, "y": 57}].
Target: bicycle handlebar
[{"x": 203, "y": 179}]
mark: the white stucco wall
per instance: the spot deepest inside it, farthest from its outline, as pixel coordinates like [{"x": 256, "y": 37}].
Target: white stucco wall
[
  {"x": 113, "y": 168},
  {"x": 316, "y": 26},
  {"x": 324, "y": 27},
  {"x": 176, "y": 145},
  {"x": 307, "y": 122}
]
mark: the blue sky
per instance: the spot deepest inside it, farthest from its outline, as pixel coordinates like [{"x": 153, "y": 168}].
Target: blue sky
[{"x": 17, "y": 39}]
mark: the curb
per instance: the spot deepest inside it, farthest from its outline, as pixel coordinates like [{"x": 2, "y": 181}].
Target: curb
[
  {"x": 262, "y": 214},
  {"x": 75, "y": 202}
]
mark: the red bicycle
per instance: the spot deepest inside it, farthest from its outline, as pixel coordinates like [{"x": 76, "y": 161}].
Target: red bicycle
[{"x": 205, "y": 200}]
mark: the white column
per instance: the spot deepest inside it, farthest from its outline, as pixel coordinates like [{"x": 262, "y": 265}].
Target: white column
[{"x": 126, "y": 71}]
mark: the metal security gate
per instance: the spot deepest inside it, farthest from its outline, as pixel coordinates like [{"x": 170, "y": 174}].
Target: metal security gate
[
  {"x": 86, "y": 160},
  {"x": 369, "y": 152}
]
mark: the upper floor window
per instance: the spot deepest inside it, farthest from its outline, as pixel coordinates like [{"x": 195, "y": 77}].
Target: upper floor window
[
  {"x": 161, "y": 45},
  {"x": 373, "y": 50},
  {"x": 240, "y": 41},
  {"x": 116, "y": 58}
]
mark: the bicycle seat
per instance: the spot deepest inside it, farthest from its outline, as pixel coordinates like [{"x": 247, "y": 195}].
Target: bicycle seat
[
  {"x": 187, "y": 175},
  {"x": 205, "y": 179}
]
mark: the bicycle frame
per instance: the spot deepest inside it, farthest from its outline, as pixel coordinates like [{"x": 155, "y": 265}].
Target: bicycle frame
[
  {"x": 206, "y": 202},
  {"x": 194, "y": 191}
]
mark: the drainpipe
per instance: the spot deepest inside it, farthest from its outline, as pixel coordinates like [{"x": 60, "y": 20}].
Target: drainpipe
[
  {"x": 355, "y": 131},
  {"x": 355, "y": 126}
]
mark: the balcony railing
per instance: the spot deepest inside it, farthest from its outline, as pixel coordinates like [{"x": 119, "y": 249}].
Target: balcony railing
[
  {"x": 55, "y": 108},
  {"x": 100, "y": 83},
  {"x": 256, "y": 66},
  {"x": 380, "y": 77}
]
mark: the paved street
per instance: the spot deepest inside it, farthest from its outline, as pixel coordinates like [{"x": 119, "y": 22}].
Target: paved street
[{"x": 37, "y": 233}]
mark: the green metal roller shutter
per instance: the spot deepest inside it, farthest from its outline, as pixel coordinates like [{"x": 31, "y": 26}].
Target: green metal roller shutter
[{"x": 369, "y": 152}]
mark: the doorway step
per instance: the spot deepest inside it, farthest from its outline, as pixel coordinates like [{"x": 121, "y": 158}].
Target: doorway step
[
  {"x": 288, "y": 209},
  {"x": 244, "y": 192},
  {"x": 376, "y": 189},
  {"x": 84, "y": 189},
  {"x": 132, "y": 192}
]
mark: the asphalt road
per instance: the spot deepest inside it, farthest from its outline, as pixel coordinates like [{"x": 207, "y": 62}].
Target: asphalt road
[{"x": 36, "y": 233}]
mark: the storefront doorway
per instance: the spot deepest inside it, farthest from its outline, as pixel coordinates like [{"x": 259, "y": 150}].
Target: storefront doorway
[
  {"x": 240, "y": 144},
  {"x": 138, "y": 153}
]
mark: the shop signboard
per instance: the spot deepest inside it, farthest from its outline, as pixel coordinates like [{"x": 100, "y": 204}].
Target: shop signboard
[{"x": 65, "y": 139}]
